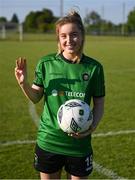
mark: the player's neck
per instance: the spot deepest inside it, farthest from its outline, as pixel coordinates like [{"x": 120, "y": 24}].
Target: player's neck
[{"x": 72, "y": 57}]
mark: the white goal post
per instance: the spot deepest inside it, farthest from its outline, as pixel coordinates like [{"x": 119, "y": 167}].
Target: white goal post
[{"x": 10, "y": 30}]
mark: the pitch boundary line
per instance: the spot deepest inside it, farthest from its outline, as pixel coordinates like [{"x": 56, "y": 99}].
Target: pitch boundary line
[
  {"x": 35, "y": 118},
  {"x": 17, "y": 142},
  {"x": 33, "y": 113},
  {"x": 107, "y": 172},
  {"x": 112, "y": 133}
]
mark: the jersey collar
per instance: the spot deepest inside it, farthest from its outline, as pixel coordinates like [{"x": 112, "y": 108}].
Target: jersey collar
[{"x": 61, "y": 57}]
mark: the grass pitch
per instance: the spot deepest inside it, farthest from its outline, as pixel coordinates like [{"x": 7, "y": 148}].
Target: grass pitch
[{"x": 114, "y": 153}]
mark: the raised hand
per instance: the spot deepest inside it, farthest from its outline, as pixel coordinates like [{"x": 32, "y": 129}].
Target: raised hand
[{"x": 21, "y": 70}]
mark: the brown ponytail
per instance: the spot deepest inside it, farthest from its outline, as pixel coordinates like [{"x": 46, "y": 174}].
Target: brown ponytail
[{"x": 71, "y": 17}]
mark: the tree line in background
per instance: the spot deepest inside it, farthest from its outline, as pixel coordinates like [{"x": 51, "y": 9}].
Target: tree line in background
[{"x": 43, "y": 21}]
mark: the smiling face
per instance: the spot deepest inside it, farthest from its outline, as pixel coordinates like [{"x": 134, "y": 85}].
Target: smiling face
[{"x": 70, "y": 40}]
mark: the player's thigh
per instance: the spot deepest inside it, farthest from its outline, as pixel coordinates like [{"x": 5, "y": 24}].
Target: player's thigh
[
  {"x": 69, "y": 176},
  {"x": 56, "y": 175}
]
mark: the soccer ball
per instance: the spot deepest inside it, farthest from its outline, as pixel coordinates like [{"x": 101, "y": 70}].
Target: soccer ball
[{"x": 74, "y": 116}]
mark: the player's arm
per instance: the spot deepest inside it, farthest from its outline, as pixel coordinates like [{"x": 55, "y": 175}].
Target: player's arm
[
  {"x": 98, "y": 111},
  {"x": 34, "y": 93}
]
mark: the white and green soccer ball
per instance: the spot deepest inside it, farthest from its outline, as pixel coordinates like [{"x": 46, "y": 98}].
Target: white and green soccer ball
[{"x": 74, "y": 116}]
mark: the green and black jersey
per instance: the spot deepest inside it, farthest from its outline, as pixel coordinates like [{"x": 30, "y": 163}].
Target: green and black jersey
[{"x": 62, "y": 81}]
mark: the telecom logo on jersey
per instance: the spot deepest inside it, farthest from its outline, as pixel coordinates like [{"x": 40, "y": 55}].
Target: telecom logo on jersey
[{"x": 67, "y": 93}]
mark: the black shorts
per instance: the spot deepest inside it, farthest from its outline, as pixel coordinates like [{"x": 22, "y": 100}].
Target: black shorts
[{"x": 48, "y": 162}]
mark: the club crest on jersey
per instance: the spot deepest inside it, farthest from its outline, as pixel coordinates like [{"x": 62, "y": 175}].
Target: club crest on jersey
[{"x": 85, "y": 76}]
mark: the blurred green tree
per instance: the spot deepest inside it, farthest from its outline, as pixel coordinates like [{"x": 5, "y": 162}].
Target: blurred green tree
[
  {"x": 131, "y": 21},
  {"x": 14, "y": 19},
  {"x": 41, "y": 21},
  {"x": 3, "y": 19}
]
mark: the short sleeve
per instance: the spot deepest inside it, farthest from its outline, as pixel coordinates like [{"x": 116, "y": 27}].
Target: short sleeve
[
  {"x": 99, "y": 82},
  {"x": 39, "y": 75}
]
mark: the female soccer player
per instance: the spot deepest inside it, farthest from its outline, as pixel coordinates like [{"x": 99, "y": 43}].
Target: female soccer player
[{"x": 67, "y": 74}]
